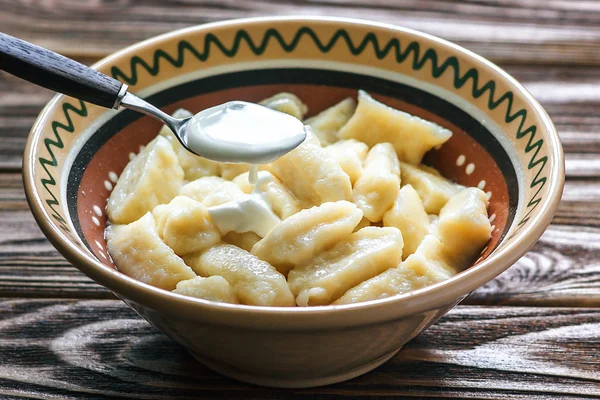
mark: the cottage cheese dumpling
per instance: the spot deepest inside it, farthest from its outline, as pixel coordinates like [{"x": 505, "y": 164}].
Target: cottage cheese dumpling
[
  {"x": 350, "y": 154},
  {"x": 360, "y": 256},
  {"x": 328, "y": 122},
  {"x": 185, "y": 226},
  {"x": 464, "y": 227},
  {"x": 224, "y": 193},
  {"x": 245, "y": 240},
  {"x": 390, "y": 283},
  {"x": 287, "y": 103},
  {"x": 374, "y": 122},
  {"x": 430, "y": 261},
  {"x": 200, "y": 188},
  {"x": 425, "y": 267},
  {"x": 153, "y": 177},
  {"x": 312, "y": 174},
  {"x": 349, "y": 215},
  {"x": 305, "y": 234},
  {"x": 377, "y": 187},
  {"x": 459, "y": 235},
  {"x": 254, "y": 281},
  {"x": 214, "y": 288},
  {"x": 139, "y": 252},
  {"x": 434, "y": 190},
  {"x": 408, "y": 215}
]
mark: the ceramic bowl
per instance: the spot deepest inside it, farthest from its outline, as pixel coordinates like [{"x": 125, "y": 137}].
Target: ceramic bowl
[{"x": 503, "y": 142}]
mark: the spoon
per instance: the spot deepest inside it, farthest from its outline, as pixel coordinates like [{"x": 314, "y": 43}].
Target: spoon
[{"x": 237, "y": 131}]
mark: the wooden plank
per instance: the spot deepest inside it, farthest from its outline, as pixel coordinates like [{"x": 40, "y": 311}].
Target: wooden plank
[
  {"x": 100, "y": 349},
  {"x": 20, "y": 103},
  {"x": 29, "y": 264},
  {"x": 31, "y": 267},
  {"x": 562, "y": 269},
  {"x": 504, "y": 30}
]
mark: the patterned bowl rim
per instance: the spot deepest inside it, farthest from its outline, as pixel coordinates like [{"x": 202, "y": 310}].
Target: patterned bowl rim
[{"x": 428, "y": 298}]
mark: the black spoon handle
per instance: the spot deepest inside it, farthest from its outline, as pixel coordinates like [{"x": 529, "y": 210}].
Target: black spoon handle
[{"x": 55, "y": 72}]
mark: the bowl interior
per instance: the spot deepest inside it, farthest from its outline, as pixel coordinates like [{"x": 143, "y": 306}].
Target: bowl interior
[
  {"x": 471, "y": 157},
  {"x": 77, "y": 151}
]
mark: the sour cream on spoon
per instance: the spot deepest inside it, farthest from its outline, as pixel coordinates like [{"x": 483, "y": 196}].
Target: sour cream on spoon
[{"x": 242, "y": 132}]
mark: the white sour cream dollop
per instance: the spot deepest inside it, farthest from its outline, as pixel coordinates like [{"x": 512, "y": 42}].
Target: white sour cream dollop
[{"x": 251, "y": 213}]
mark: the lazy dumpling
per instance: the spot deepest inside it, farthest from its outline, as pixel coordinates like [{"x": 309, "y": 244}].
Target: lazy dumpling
[
  {"x": 350, "y": 154},
  {"x": 185, "y": 226},
  {"x": 283, "y": 202},
  {"x": 139, "y": 252},
  {"x": 214, "y": 288},
  {"x": 307, "y": 233},
  {"x": 153, "y": 177},
  {"x": 377, "y": 187},
  {"x": 433, "y": 189},
  {"x": 408, "y": 215},
  {"x": 374, "y": 122},
  {"x": 327, "y": 123},
  {"x": 312, "y": 174},
  {"x": 362, "y": 255},
  {"x": 287, "y": 103},
  {"x": 254, "y": 281},
  {"x": 464, "y": 227}
]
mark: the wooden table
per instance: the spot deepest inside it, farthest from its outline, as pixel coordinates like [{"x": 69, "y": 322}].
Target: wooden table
[{"x": 532, "y": 333}]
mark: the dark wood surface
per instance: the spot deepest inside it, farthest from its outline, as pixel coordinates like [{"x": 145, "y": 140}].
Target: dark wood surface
[
  {"x": 91, "y": 349},
  {"x": 531, "y": 333}
]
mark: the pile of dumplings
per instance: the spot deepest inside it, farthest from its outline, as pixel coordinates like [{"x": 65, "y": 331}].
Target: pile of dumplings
[{"x": 361, "y": 217}]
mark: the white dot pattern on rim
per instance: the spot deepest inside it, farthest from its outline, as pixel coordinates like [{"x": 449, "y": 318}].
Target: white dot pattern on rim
[
  {"x": 99, "y": 245},
  {"x": 481, "y": 254},
  {"x": 96, "y": 221},
  {"x": 131, "y": 156},
  {"x": 470, "y": 168},
  {"x": 97, "y": 210},
  {"x": 108, "y": 185},
  {"x": 102, "y": 254},
  {"x": 113, "y": 176},
  {"x": 492, "y": 217}
]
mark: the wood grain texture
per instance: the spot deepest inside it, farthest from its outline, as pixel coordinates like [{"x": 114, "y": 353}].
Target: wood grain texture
[
  {"x": 101, "y": 349},
  {"x": 20, "y": 103},
  {"x": 73, "y": 348},
  {"x": 565, "y": 31},
  {"x": 29, "y": 264},
  {"x": 563, "y": 269}
]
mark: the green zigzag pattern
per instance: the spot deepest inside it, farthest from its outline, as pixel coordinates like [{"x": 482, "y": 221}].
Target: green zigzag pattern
[
  {"x": 413, "y": 51},
  {"x": 53, "y": 162}
]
